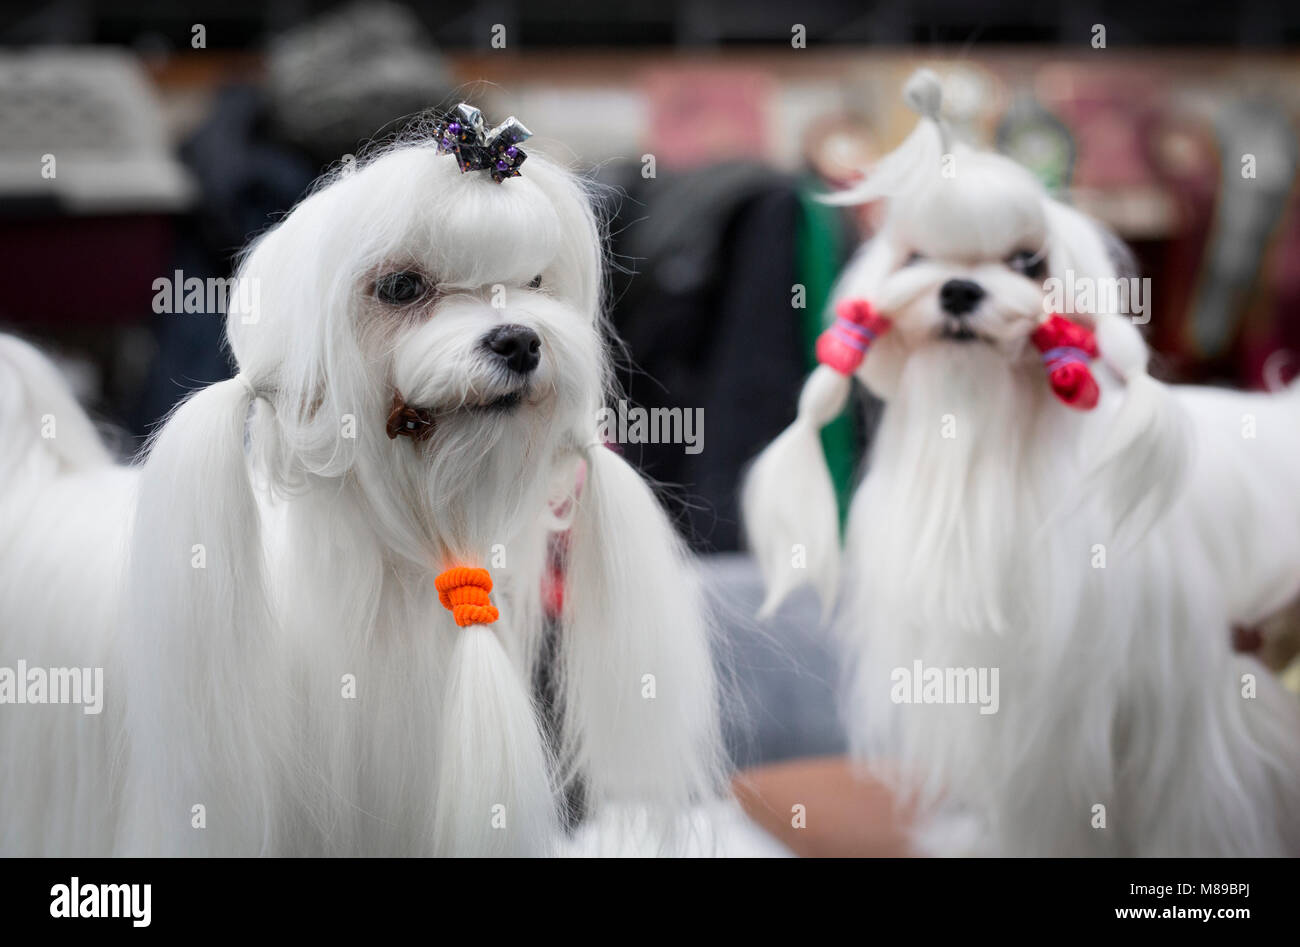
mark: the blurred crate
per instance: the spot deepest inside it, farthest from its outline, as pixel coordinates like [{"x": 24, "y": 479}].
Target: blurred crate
[{"x": 88, "y": 188}]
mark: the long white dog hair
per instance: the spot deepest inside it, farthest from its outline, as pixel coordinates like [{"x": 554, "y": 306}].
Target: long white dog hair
[
  {"x": 1096, "y": 559},
  {"x": 284, "y": 550}
]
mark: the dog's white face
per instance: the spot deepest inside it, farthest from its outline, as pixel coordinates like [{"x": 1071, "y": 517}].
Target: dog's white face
[
  {"x": 960, "y": 264},
  {"x": 472, "y": 301},
  {"x": 970, "y": 255}
]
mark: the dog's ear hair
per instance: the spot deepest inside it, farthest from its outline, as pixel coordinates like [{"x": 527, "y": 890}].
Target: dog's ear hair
[
  {"x": 205, "y": 694},
  {"x": 635, "y": 656},
  {"x": 1121, "y": 255},
  {"x": 1141, "y": 466},
  {"x": 788, "y": 499}
]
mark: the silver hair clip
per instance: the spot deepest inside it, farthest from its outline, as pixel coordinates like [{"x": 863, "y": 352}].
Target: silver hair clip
[{"x": 463, "y": 133}]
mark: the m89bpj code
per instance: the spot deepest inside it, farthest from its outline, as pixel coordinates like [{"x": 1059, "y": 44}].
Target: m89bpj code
[{"x": 1220, "y": 887}]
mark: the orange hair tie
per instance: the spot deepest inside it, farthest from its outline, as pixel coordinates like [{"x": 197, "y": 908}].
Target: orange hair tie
[{"x": 463, "y": 591}]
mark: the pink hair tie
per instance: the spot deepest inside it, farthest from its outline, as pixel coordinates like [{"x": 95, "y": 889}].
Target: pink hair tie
[
  {"x": 844, "y": 345},
  {"x": 1067, "y": 348}
]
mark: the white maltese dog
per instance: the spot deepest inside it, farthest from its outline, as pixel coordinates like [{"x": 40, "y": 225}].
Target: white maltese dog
[
  {"x": 303, "y": 649},
  {"x": 1037, "y": 596}
]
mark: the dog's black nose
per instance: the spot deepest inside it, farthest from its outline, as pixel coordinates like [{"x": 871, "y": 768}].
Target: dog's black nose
[
  {"x": 519, "y": 347},
  {"x": 960, "y": 296}
]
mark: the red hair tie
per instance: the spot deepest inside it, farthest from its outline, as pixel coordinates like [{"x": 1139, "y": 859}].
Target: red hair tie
[
  {"x": 844, "y": 345},
  {"x": 464, "y": 592},
  {"x": 1067, "y": 348}
]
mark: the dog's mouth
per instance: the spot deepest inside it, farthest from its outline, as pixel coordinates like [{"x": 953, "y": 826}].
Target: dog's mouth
[
  {"x": 501, "y": 403},
  {"x": 493, "y": 401},
  {"x": 956, "y": 331},
  {"x": 406, "y": 420}
]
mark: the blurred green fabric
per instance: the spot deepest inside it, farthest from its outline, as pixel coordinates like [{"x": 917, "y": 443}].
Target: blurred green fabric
[{"x": 820, "y": 247}]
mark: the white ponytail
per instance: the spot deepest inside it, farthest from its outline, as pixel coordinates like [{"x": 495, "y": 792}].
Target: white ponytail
[
  {"x": 204, "y": 678},
  {"x": 494, "y": 794},
  {"x": 788, "y": 500},
  {"x": 640, "y": 705}
]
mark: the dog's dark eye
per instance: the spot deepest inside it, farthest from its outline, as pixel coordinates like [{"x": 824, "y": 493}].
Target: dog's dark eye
[
  {"x": 397, "y": 289},
  {"x": 913, "y": 258},
  {"x": 1028, "y": 263},
  {"x": 535, "y": 282}
]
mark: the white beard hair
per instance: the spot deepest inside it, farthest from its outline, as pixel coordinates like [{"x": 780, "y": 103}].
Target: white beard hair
[
  {"x": 954, "y": 566},
  {"x": 1117, "y": 685},
  {"x": 974, "y": 552},
  {"x": 964, "y": 497}
]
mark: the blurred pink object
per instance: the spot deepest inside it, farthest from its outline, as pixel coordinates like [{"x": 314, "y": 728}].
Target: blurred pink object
[
  {"x": 1107, "y": 112},
  {"x": 701, "y": 116}
]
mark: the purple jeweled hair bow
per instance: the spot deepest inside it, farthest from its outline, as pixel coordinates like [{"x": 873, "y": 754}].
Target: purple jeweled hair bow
[{"x": 462, "y": 132}]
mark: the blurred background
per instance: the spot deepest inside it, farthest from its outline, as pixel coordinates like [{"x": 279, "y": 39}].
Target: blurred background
[{"x": 145, "y": 141}]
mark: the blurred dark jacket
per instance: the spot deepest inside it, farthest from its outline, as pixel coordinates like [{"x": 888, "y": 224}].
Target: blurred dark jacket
[
  {"x": 705, "y": 269},
  {"x": 246, "y": 178}
]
